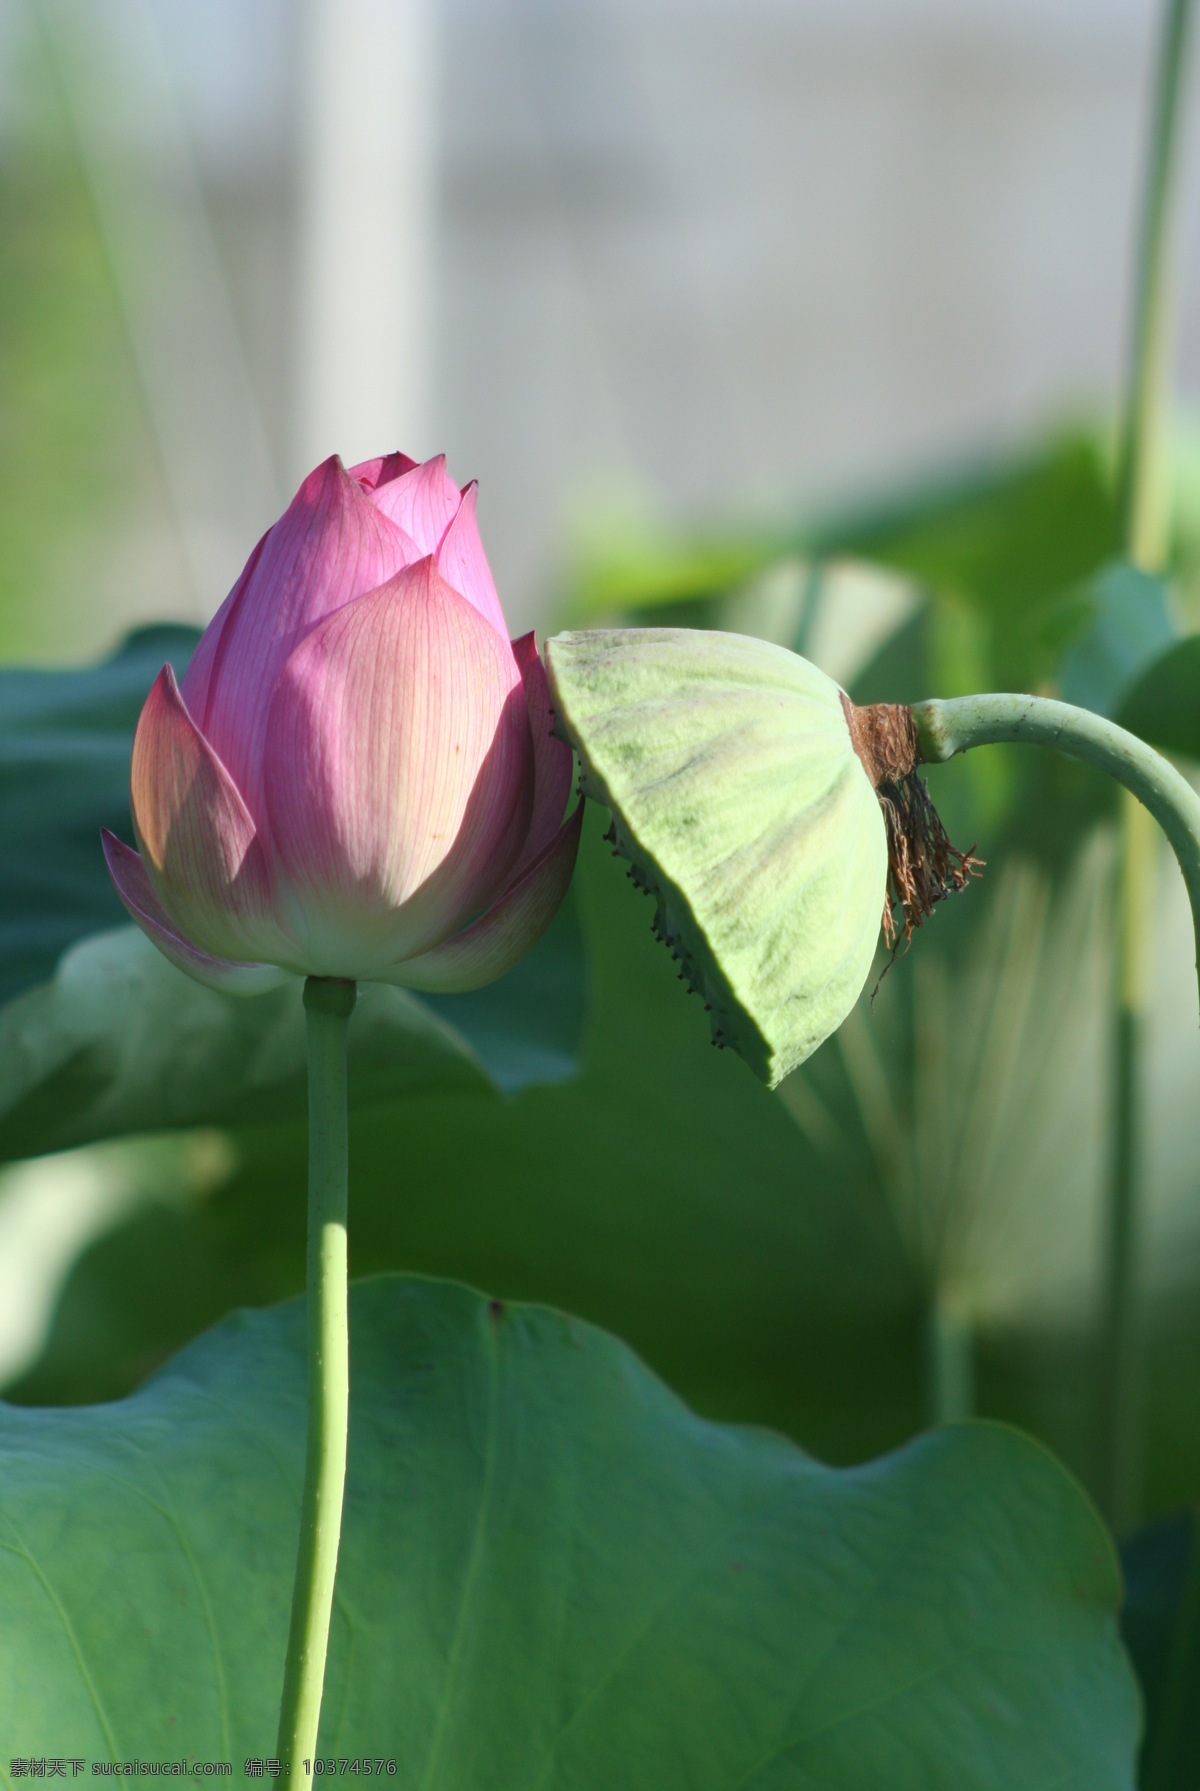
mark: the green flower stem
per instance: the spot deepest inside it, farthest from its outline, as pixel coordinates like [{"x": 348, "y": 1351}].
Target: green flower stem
[
  {"x": 329, "y": 1004},
  {"x": 947, "y": 728}
]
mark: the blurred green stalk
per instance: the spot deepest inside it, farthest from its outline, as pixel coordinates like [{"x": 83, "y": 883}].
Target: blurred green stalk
[
  {"x": 1142, "y": 487},
  {"x": 950, "y": 1362},
  {"x": 1144, "y": 522}
]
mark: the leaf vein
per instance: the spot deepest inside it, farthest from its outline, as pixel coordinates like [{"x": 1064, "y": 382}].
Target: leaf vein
[
  {"x": 25, "y": 1554},
  {"x": 473, "y": 1564}
]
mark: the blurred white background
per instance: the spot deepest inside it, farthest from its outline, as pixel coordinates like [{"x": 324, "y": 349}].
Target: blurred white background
[{"x": 678, "y": 255}]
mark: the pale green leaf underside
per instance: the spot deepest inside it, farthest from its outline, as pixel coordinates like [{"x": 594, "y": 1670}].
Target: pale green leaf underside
[
  {"x": 553, "y": 1575},
  {"x": 738, "y": 797},
  {"x": 120, "y": 1041}
]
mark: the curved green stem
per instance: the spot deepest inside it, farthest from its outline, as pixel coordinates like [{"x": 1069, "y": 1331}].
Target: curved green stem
[
  {"x": 329, "y": 1004},
  {"x": 947, "y": 728}
]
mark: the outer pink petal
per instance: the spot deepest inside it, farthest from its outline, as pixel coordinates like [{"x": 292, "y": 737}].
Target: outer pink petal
[
  {"x": 330, "y": 545},
  {"x": 463, "y": 564},
  {"x": 198, "y": 840},
  {"x": 380, "y": 471},
  {"x": 398, "y": 775},
  {"x": 197, "y": 680},
  {"x": 422, "y": 502},
  {"x": 501, "y": 937},
  {"x": 128, "y": 873},
  {"x": 553, "y": 759}
]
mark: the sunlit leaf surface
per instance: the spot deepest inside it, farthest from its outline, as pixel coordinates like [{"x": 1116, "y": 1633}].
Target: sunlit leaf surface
[{"x": 552, "y": 1574}]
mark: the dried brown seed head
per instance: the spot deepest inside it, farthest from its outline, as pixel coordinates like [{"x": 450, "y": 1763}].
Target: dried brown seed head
[{"x": 923, "y": 867}]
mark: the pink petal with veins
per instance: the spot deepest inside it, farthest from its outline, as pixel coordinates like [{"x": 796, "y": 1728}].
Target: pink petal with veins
[
  {"x": 200, "y": 846},
  {"x": 553, "y": 760},
  {"x": 198, "y": 677},
  {"x": 231, "y": 977},
  {"x": 382, "y": 470},
  {"x": 463, "y": 563},
  {"x": 422, "y": 502},
  {"x": 398, "y": 775},
  {"x": 330, "y": 545},
  {"x": 501, "y": 937}
]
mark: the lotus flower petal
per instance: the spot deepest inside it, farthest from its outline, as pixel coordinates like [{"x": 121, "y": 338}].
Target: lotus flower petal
[
  {"x": 198, "y": 678},
  {"x": 128, "y": 872},
  {"x": 382, "y": 470},
  {"x": 331, "y": 544},
  {"x": 198, "y": 840},
  {"x": 359, "y": 766},
  {"x": 501, "y": 937},
  {"x": 552, "y": 758},
  {"x": 422, "y": 502},
  {"x": 463, "y": 564},
  {"x": 398, "y": 775}
]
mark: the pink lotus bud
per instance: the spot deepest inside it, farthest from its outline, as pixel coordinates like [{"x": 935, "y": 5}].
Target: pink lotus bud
[{"x": 357, "y": 778}]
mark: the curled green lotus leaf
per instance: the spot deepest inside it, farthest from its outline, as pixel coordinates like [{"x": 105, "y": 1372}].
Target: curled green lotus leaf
[{"x": 740, "y": 801}]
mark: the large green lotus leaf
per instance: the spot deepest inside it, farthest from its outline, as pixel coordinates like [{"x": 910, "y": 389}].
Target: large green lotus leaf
[
  {"x": 738, "y": 797},
  {"x": 552, "y": 1574},
  {"x": 119, "y": 1041}
]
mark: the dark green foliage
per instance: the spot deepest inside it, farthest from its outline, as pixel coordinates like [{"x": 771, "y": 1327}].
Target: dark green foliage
[
  {"x": 1160, "y": 1623},
  {"x": 1164, "y": 704},
  {"x": 65, "y": 743}
]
